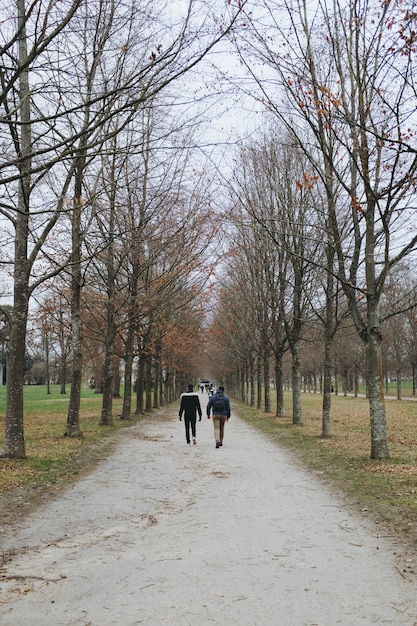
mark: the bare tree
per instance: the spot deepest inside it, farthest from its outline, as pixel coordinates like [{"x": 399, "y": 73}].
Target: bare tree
[
  {"x": 344, "y": 92},
  {"x": 67, "y": 70},
  {"x": 16, "y": 102},
  {"x": 399, "y": 294},
  {"x": 276, "y": 191}
]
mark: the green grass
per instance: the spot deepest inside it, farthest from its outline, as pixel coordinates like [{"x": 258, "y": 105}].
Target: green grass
[
  {"x": 406, "y": 390},
  {"x": 37, "y": 400},
  {"x": 51, "y": 458}
]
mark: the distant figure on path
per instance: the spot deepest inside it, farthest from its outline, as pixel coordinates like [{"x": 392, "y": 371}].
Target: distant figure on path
[
  {"x": 190, "y": 406},
  {"x": 219, "y": 405}
]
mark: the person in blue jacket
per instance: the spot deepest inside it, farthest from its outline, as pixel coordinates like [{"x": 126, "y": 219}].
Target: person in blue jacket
[
  {"x": 190, "y": 406},
  {"x": 219, "y": 406}
]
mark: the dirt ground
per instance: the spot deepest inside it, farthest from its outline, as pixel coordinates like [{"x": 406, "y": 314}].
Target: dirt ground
[{"x": 164, "y": 533}]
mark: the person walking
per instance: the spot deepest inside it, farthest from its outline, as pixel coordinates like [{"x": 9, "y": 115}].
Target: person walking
[
  {"x": 190, "y": 406},
  {"x": 219, "y": 405}
]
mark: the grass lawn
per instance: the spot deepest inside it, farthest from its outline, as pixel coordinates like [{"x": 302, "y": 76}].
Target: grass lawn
[
  {"x": 391, "y": 390},
  {"x": 53, "y": 459}
]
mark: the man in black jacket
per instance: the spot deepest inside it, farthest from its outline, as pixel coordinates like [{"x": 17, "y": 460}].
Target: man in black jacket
[{"x": 190, "y": 406}]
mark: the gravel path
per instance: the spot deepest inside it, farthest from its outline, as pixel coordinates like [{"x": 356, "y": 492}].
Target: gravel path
[{"x": 163, "y": 533}]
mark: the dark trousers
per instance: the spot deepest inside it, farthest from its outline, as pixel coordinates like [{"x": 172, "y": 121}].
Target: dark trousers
[{"x": 189, "y": 421}]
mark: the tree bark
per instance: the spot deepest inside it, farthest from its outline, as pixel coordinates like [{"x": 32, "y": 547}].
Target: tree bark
[
  {"x": 327, "y": 384},
  {"x": 106, "y": 417},
  {"x": 110, "y": 332},
  {"x": 252, "y": 379},
  {"x": 296, "y": 384},
  {"x": 379, "y": 442},
  {"x": 128, "y": 375},
  {"x": 73, "y": 417},
  {"x": 148, "y": 384},
  {"x": 14, "y": 442},
  {"x": 242, "y": 384},
  {"x": 267, "y": 388},
  {"x": 399, "y": 385},
  {"x": 140, "y": 384},
  {"x": 259, "y": 382},
  {"x": 279, "y": 382}
]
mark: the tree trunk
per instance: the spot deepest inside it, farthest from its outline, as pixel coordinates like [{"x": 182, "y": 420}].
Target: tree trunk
[
  {"x": 236, "y": 382},
  {"x": 73, "y": 416},
  {"x": 327, "y": 384},
  {"x": 345, "y": 380},
  {"x": 63, "y": 377},
  {"x": 157, "y": 376},
  {"x": 106, "y": 417},
  {"x": 279, "y": 382},
  {"x": 356, "y": 381},
  {"x": 168, "y": 385},
  {"x": 107, "y": 403},
  {"x": 116, "y": 377},
  {"x": 47, "y": 365},
  {"x": 259, "y": 382},
  {"x": 242, "y": 384},
  {"x": 161, "y": 388},
  {"x": 379, "y": 443},
  {"x": 63, "y": 354},
  {"x": 148, "y": 384},
  {"x": 110, "y": 332},
  {"x": 267, "y": 388},
  {"x": 155, "y": 402},
  {"x": 399, "y": 385},
  {"x": 130, "y": 342},
  {"x": 14, "y": 441},
  {"x": 127, "y": 396},
  {"x": 296, "y": 384},
  {"x": 140, "y": 385},
  {"x": 252, "y": 380}
]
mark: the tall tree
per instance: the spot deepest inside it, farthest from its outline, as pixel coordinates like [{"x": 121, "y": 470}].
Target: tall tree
[
  {"x": 343, "y": 71},
  {"x": 276, "y": 191},
  {"x": 17, "y": 106},
  {"x": 66, "y": 70}
]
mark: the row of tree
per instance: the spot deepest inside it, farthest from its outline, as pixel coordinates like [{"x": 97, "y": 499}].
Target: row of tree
[
  {"x": 96, "y": 182},
  {"x": 49, "y": 356},
  {"x": 324, "y": 202}
]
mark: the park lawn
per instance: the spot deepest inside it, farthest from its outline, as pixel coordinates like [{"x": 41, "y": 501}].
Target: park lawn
[
  {"x": 387, "y": 490},
  {"x": 391, "y": 390},
  {"x": 51, "y": 458}
]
